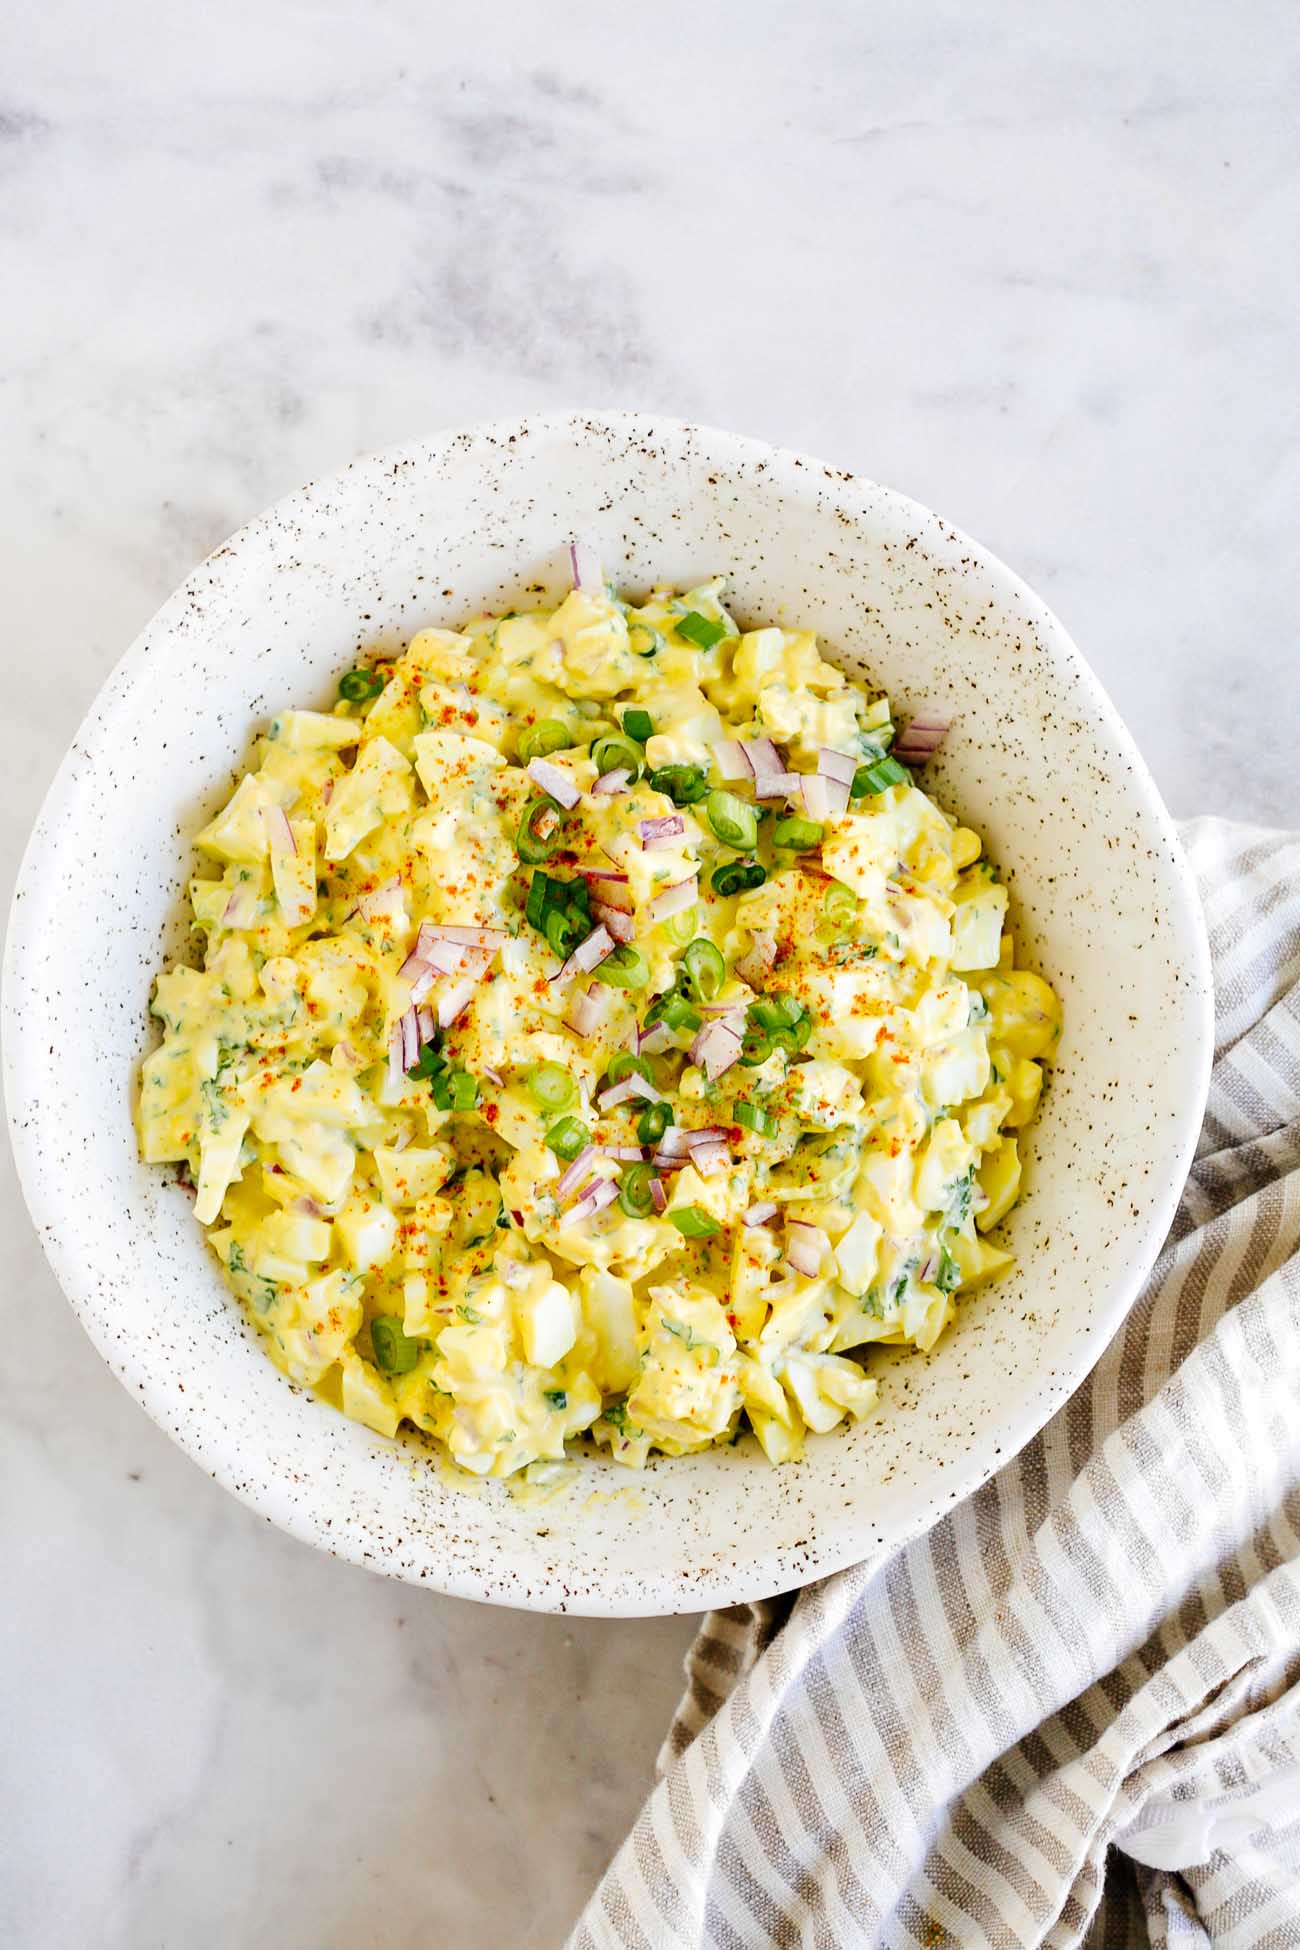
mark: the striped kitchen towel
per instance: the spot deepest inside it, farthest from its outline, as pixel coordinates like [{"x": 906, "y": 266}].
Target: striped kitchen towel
[{"x": 1070, "y": 1713}]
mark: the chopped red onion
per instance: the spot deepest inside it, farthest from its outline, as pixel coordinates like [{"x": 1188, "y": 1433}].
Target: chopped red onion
[
  {"x": 754, "y": 964},
  {"x": 616, "y": 781},
  {"x": 586, "y": 566},
  {"x": 279, "y": 831},
  {"x": 425, "y": 1019},
  {"x": 376, "y": 898},
  {"x": 658, "y": 1195},
  {"x": 592, "y": 952},
  {"x": 651, "y": 1041},
  {"x": 837, "y": 798},
  {"x": 709, "y": 1159},
  {"x": 759, "y": 1214},
  {"x": 805, "y": 1247},
  {"x": 921, "y": 739},
  {"x": 431, "y": 931},
  {"x": 706, "y": 1134},
  {"x": 729, "y": 757},
  {"x": 595, "y": 1201},
  {"x": 410, "y": 1039},
  {"x": 814, "y": 790},
  {"x": 762, "y": 757},
  {"x": 414, "y": 965},
  {"x": 662, "y": 832},
  {"x": 621, "y": 926},
  {"x": 715, "y": 1048},
  {"x": 642, "y": 1087},
  {"x": 396, "y": 1072},
  {"x": 611, "y": 889},
  {"x": 241, "y": 909},
  {"x": 625, "y": 1153},
  {"x": 673, "y": 900},
  {"x": 779, "y": 785},
  {"x": 494, "y": 1077},
  {"x": 423, "y": 982},
  {"x": 675, "y": 1142},
  {"x": 669, "y": 1160},
  {"x": 583, "y": 1012},
  {"x": 555, "y": 782},
  {"x": 618, "y": 1093},
  {"x": 575, "y": 1173},
  {"x": 837, "y": 765},
  {"x": 454, "y": 1002}
]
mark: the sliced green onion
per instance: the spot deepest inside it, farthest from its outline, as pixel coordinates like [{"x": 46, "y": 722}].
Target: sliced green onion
[
  {"x": 755, "y": 1047},
  {"x": 551, "y": 1086},
  {"x": 840, "y": 905},
  {"x": 634, "y": 1194},
  {"x": 653, "y": 1122},
  {"x": 638, "y": 725},
  {"x": 703, "y": 631},
  {"x": 360, "y": 686},
  {"x": 733, "y": 820},
  {"x": 777, "y": 1011},
  {"x": 643, "y": 641},
  {"x": 564, "y": 928},
  {"x": 797, "y": 832},
  {"x": 625, "y": 968},
  {"x": 877, "y": 777},
  {"x": 539, "y": 831},
  {"x": 673, "y": 1010},
  {"x": 681, "y": 927},
  {"x": 615, "y": 753},
  {"x": 738, "y": 876},
  {"x": 624, "y": 1064},
  {"x": 693, "y": 1222},
  {"x": 395, "y": 1351},
  {"x": 567, "y": 1138},
  {"x": 705, "y": 968},
  {"x": 455, "y": 1090},
  {"x": 685, "y": 785},
  {"x": 547, "y": 735},
  {"x": 755, "y": 1118},
  {"x": 429, "y": 1064}
]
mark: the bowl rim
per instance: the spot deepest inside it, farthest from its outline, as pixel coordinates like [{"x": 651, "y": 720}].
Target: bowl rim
[{"x": 651, "y": 1592}]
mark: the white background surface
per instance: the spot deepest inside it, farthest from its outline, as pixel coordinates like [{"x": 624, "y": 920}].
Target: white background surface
[{"x": 1034, "y": 264}]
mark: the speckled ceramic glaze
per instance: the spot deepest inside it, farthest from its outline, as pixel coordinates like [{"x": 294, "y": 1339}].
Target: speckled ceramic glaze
[{"x": 1037, "y": 761}]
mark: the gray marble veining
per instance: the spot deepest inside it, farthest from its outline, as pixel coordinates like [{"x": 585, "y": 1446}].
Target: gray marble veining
[{"x": 1034, "y": 265}]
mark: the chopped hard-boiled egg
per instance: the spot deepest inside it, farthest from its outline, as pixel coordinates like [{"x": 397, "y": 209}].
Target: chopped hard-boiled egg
[{"x": 598, "y": 1032}]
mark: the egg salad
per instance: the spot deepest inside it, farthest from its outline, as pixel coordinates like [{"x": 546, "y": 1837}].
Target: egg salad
[{"x": 598, "y": 1032}]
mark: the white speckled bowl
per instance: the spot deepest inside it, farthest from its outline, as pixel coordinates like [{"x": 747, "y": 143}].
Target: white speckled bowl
[{"x": 1037, "y": 760}]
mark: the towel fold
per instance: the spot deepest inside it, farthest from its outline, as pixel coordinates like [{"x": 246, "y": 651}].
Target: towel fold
[{"x": 1070, "y": 1713}]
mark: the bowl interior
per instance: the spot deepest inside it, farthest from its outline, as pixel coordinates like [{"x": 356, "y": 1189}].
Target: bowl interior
[{"x": 1036, "y": 761}]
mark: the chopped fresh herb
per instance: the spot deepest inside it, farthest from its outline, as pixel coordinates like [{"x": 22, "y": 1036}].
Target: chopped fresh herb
[
  {"x": 702, "y": 631},
  {"x": 555, "y": 1397},
  {"x": 470, "y": 1314},
  {"x": 235, "y": 1261},
  {"x": 948, "y": 1277},
  {"x": 615, "y": 1413},
  {"x": 395, "y": 1351}
]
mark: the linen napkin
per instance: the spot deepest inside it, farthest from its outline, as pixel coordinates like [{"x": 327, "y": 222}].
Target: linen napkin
[{"x": 1070, "y": 1713}]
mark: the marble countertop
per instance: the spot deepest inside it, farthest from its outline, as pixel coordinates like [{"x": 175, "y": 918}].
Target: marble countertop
[{"x": 1033, "y": 265}]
